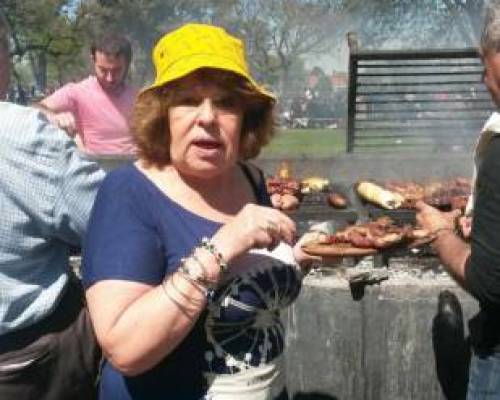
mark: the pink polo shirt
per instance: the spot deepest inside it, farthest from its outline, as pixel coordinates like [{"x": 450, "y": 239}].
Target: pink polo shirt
[{"x": 101, "y": 118}]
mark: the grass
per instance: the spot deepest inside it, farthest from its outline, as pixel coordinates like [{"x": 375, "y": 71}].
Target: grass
[
  {"x": 323, "y": 143},
  {"x": 306, "y": 143}
]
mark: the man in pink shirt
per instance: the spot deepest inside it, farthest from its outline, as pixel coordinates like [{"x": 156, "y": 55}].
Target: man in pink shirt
[{"x": 96, "y": 110}]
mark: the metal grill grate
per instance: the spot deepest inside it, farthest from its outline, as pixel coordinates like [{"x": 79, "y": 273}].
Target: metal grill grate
[{"x": 412, "y": 100}]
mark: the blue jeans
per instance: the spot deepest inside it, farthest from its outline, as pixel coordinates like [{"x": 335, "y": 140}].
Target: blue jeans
[{"x": 484, "y": 377}]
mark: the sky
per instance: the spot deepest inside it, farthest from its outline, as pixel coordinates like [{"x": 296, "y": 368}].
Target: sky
[{"x": 72, "y": 7}]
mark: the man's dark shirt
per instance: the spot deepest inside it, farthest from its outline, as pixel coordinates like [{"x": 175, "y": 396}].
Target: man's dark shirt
[{"x": 482, "y": 274}]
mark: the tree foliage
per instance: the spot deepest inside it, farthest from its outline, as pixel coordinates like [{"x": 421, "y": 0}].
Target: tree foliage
[
  {"x": 278, "y": 33},
  {"x": 42, "y": 33},
  {"x": 143, "y": 21},
  {"x": 53, "y": 35}
]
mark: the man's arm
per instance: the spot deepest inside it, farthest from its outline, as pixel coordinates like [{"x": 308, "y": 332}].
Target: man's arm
[
  {"x": 476, "y": 267},
  {"x": 77, "y": 187},
  {"x": 453, "y": 253},
  {"x": 59, "y": 108},
  {"x": 482, "y": 272},
  {"x": 451, "y": 250}
]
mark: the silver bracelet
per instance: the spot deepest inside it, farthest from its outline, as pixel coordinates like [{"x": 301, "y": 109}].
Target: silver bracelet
[
  {"x": 197, "y": 276},
  {"x": 206, "y": 286}
]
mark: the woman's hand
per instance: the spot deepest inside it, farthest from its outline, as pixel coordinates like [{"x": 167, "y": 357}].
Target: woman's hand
[{"x": 254, "y": 227}]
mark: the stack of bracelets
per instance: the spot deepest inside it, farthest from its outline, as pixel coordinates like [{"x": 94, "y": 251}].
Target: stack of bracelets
[{"x": 195, "y": 271}]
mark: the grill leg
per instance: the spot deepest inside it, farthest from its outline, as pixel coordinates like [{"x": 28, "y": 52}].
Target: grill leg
[{"x": 380, "y": 260}]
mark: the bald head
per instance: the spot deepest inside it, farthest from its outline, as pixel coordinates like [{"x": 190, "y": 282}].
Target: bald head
[{"x": 4, "y": 57}]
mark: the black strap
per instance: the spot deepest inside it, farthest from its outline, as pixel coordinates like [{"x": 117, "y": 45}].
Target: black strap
[{"x": 260, "y": 195}]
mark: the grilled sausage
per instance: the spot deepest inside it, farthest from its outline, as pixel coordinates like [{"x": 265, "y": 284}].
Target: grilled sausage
[
  {"x": 289, "y": 202},
  {"x": 276, "y": 200},
  {"x": 337, "y": 200}
]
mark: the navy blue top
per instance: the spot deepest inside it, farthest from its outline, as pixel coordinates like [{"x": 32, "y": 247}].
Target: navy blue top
[{"x": 137, "y": 233}]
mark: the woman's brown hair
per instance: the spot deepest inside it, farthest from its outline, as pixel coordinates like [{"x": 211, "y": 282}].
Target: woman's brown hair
[{"x": 150, "y": 116}]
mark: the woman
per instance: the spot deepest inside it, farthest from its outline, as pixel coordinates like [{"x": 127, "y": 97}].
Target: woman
[{"x": 186, "y": 267}]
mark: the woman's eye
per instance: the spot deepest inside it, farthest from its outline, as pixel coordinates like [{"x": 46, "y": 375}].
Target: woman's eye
[
  {"x": 188, "y": 101},
  {"x": 226, "y": 102}
]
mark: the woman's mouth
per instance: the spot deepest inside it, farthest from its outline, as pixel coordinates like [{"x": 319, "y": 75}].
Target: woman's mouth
[
  {"x": 207, "y": 144},
  {"x": 208, "y": 149}
]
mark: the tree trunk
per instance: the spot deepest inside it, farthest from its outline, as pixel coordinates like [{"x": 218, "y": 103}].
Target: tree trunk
[
  {"x": 284, "y": 79},
  {"x": 38, "y": 63}
]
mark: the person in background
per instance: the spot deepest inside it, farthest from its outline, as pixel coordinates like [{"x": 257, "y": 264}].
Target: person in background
[
  {"x": 476, "y": 265},
  {"x": 97, "y": 109},
  {"x": 186, "y": 266},
  {"x": 21, "y": 98},
  {"x": 48, "y": 349}
]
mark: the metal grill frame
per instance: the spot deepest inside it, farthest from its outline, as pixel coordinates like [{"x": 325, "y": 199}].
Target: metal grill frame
[{"x": 431, "y": 127}]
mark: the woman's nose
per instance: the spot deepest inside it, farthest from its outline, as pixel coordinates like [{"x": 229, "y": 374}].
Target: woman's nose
[{"x": 207, "y": 111}]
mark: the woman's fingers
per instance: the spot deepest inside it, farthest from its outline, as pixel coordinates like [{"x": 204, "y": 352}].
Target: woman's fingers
[
  {"x": 255, "y": 227},
  {"x": 277, "y": 231}
]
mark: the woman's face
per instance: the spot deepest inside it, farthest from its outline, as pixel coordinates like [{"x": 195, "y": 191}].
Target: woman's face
[{"x": 205, "y": 126}]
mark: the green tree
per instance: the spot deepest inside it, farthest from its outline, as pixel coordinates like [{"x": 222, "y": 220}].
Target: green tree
[
  {"x": 42, "y": 33},
  {"x": 278, "y": 33},
  {"x": 143, "y": 21}
]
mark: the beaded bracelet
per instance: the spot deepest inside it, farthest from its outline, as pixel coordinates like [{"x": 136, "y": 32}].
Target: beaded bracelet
[{"x": 208, "y": 245}]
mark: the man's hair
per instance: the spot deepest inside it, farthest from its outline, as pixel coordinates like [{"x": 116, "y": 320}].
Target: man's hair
[
  {"x": 112, "y": 44},
  {"x": 490, "y": 37}
]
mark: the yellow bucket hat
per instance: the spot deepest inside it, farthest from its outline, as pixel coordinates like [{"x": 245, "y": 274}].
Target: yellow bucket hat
[{"x": 195, "y": 46}]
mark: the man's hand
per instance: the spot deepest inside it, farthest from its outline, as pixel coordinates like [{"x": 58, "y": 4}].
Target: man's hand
[
  {"x": 433, "y": 220},
  {"x": 64, "y": 120},
  {"x": 450, "y": 248},
  {"x": 465, "y": 224}
]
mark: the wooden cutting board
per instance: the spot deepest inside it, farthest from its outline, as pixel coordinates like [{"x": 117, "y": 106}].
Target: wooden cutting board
[{"x": 336, "y": 250}]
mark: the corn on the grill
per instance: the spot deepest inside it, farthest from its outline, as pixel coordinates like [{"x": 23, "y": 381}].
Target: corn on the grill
[{"x": 378, "y": 195}]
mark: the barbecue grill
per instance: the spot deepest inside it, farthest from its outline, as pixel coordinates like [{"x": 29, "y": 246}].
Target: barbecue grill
[
  {"x": 419, "y": 99},
  {"x": 439, "y": 192}
]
